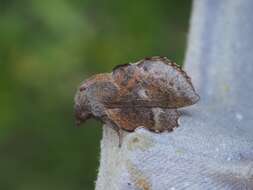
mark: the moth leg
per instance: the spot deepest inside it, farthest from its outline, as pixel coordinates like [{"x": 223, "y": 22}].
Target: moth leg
[
  {"x": 120, "y": 135},
  {"x": 118, "y": 131},
  {"x": 170, "y": 130}
]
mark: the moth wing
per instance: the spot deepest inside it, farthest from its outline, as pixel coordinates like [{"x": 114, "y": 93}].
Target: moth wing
[
  {"x": 153, "y": 82},
  {"x": 100, "y": 88},
  {"x": 131, "y": 118},
  {"x": 154, "y": 119}
]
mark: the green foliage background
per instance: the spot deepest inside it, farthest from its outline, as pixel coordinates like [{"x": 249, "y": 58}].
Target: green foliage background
[{"x": 47, "y": 47}]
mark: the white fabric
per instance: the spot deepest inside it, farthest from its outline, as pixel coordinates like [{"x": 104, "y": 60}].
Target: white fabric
[{"x": 213, "y": 147}]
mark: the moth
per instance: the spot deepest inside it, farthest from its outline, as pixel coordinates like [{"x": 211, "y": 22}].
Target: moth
[{"x": 143, "y": 94}]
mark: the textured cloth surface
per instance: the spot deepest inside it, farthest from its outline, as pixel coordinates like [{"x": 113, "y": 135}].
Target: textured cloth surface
[{"x": 213, "y": 147}]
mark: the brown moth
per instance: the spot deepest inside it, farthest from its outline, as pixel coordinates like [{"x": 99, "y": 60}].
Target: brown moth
[{"x": 146, "y": 93}]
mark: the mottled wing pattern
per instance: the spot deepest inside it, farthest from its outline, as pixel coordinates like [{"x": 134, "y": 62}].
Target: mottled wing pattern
[
  {"x": 152, "y": 82},
  {"x": 143, "y": 94},
  {"x": 154, "y": 119}
]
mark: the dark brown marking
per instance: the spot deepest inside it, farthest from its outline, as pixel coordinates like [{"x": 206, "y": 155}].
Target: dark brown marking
[{"x": 120, "y": 66}]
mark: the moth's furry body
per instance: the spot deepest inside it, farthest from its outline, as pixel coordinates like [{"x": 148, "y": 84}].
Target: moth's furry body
[{"x": 145, "y": 94}]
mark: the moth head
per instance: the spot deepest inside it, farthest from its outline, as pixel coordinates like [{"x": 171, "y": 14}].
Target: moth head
[{"x": 82, "y": 106}]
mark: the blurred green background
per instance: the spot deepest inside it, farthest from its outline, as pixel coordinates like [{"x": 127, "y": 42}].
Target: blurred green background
[{"x": 47, "y": 47}]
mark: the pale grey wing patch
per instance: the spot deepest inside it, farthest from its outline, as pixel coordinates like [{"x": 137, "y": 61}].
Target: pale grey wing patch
[
  {"x": 165, "y": 119},
  {"x": 171, "y": 79}
]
